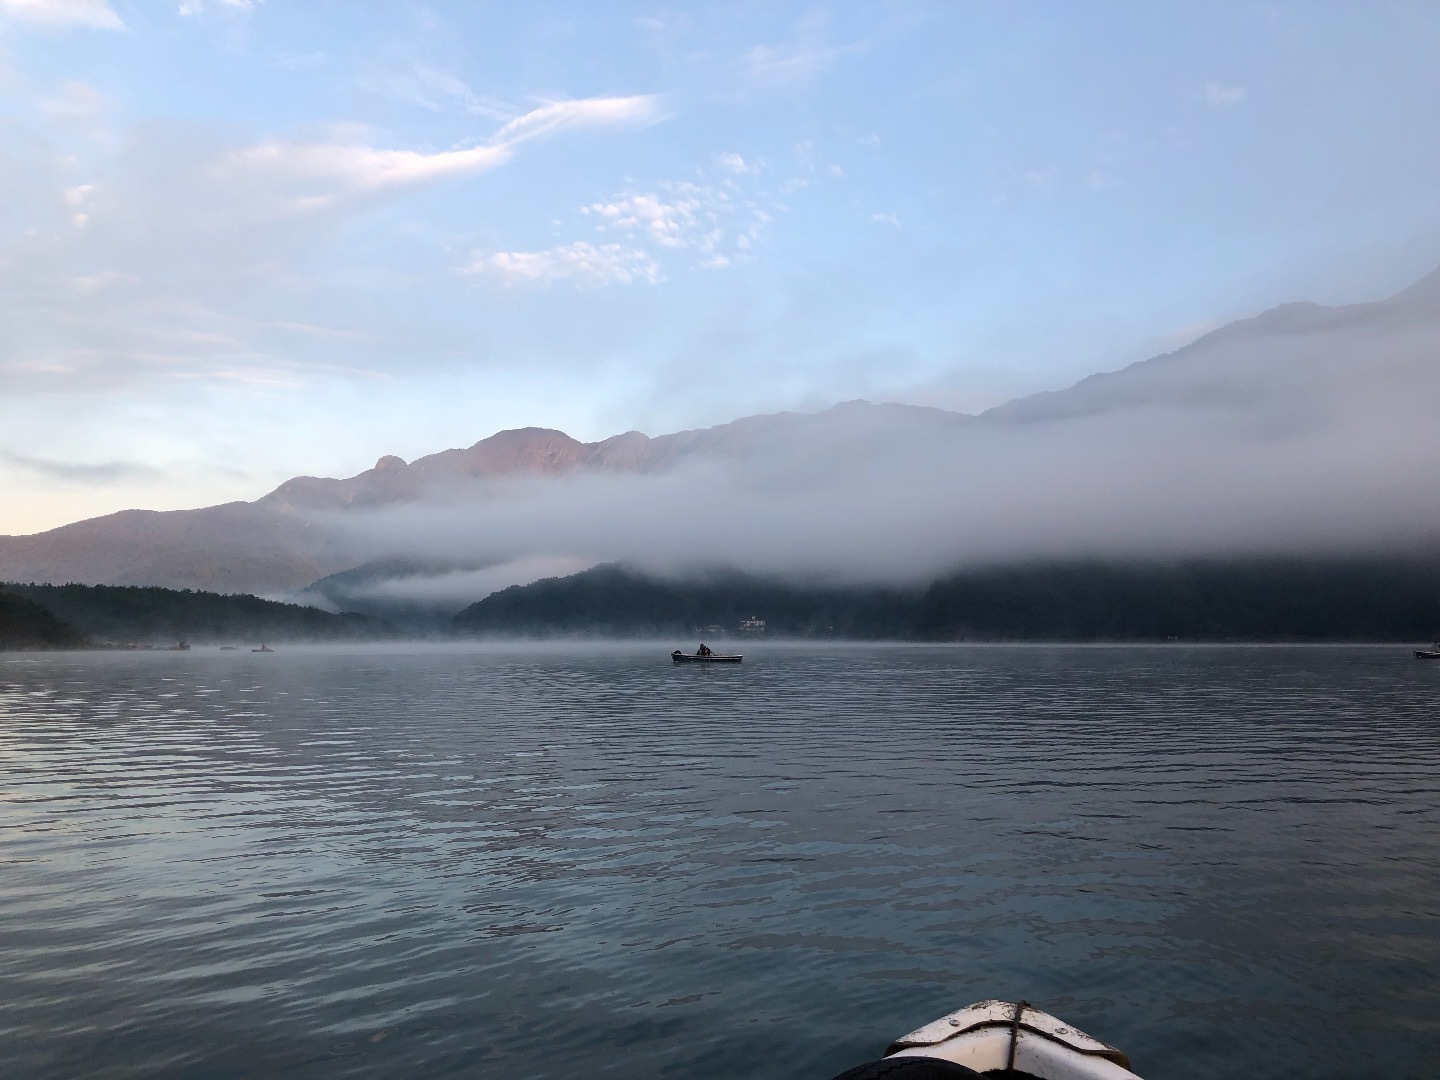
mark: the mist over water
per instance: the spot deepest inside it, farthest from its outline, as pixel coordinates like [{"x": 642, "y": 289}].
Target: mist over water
[{"x": 573, "y": 861}]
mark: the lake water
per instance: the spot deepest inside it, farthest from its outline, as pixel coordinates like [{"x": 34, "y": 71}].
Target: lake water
[{"x": 579, "y": 861}]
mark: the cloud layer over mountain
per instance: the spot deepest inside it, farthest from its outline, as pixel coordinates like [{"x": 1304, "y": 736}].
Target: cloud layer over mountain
[
  {"x": 1289, "y": 441},
  {"x": 1308, "y": 429}
]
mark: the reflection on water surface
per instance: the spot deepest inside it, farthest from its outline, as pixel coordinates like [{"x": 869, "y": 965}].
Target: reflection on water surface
[{"x": 584, "y": 860}]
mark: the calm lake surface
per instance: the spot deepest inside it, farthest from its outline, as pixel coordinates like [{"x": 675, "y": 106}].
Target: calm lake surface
[{"x": 577, "y": 861}]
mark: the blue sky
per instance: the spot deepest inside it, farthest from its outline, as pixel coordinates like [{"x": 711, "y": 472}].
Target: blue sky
[{"x": 240, "y": 241}]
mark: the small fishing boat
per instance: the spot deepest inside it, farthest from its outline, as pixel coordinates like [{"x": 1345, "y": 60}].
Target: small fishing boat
[
  {"x": 263, "y": 648},
  {"x": 1428, "y": 654},
  {"x": 704, "y": 658},
  {"x": 997, "y": 1038}
]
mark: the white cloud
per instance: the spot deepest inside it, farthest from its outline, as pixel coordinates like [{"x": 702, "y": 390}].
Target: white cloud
[
  {"x": 555, "y": 116},
  {"x": 718, "y": 222},
  {"x": 57, "y": 14},
  {"x": 455, "y": 589},
  {"x": 886, "y": 219},
  {"x": 734, "y": 163},
  {"x": 284, "y": 179},
  {"x": 136, "y": 264},
  {"x": 1223, "y": 97},
  {"x": 686, "y": 216},
  {"x": 584, "y": 263},
  {"x": 306, "y": 177}
]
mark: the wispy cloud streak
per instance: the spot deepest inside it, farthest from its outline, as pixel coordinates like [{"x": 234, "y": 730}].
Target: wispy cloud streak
[
  {"x": 584, "y": 263},
  {"x": 62, "y": 14},
  {"x": 90, "y": 474}
]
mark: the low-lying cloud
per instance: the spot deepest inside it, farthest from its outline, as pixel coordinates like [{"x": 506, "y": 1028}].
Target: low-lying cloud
[
  {"x": 1306, "y": 431},
  {"x": 1280, "y": 438},
  {"x": 445, "y": 592}
]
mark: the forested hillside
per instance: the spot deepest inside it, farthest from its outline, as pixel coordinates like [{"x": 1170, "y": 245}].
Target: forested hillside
[
  {"x": 161, "y": 616},
  {"x": 615, "y": 600},
  {"x": 24, "y": 624},
  {"x": 1202, "y": 600}
]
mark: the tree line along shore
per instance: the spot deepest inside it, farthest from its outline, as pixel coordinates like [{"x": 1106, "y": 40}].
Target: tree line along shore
[
  {"x": 1239, "y": 600},
  {"x": 114, "y": 616}
]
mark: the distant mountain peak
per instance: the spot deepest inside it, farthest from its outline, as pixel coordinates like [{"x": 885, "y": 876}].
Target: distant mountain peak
[
  {"x": 1143, "y": 381},
  {"x": 524, "y": 436}
]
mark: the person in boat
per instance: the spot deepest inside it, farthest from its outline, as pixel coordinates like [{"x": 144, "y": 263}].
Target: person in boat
[{"x": 704, "y": 650}]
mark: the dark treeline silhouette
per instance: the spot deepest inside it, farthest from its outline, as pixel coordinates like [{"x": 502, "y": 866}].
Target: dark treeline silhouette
[
  {"x": 1273, "y": 599},
  {"x": 613, "y": 599},
  {"x": 24, "y": 624},
  {"x": 1291, "y": 599},
  {"x": 153, "y": 615}
]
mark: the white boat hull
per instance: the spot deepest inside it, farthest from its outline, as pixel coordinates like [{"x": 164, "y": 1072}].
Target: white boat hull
[
  {"x": 996, "y": 1036},
  {"x": 989, "y": 1048}
]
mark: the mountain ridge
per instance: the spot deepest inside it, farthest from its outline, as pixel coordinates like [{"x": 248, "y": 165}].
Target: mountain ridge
[
  {"x": 279, "y": 543},
  {"x": 289, "y": 538},
  {"x": 548, "y": 451},
  {"x": 1418, "y": 303}
]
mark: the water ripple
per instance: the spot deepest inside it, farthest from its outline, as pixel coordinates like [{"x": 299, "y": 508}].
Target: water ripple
[{"x": 582, "y": 861}]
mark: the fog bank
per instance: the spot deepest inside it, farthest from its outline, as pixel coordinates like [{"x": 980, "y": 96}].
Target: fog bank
[{"x": 1306, "y": 431}]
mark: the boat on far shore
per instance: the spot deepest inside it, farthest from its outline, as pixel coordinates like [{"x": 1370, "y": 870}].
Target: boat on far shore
[
  {"x": 705, "y": 658},
  {"x": 263, "y": 648}
]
